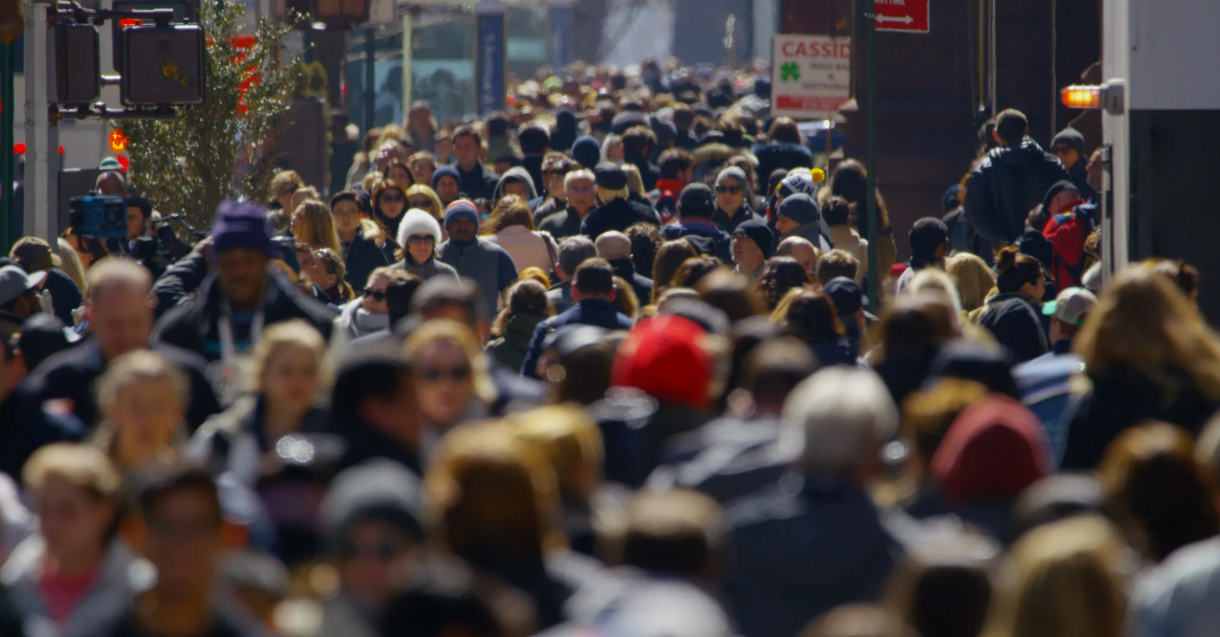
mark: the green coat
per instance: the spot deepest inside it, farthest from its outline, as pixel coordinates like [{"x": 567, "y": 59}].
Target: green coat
[{"x": 511, "y": 347}]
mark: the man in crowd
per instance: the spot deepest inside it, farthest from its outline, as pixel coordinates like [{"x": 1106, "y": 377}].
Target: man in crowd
[
  {"x": 798, "y": 215},
  {"x": 929, "y": 239},
  {"x": 1068, "y": 147},
  {"x": 616, "y": 212},
  {"x": 695, "y": 210},
  {"x": 677, "y": 169},
  {"x": 478, "y": 181},
  {"x": 639, "y": 142},
  {"x": 573, "y": 251},
  {"x": 615, "y": 248},
  {"x": 594, "y": 291},
  {"x": 752, "y": 246},
  {"x": 732, "y": 209},
  {"x": 119, "y": 311},
  {"x": 34, "y": 256},
  {"x": 18, "y": 298},
  {"x": 1012, "y": 179},
  {"x": 535, "y": 140},
  {"x": 802, "y": 250},
  {"x": 474, "y": 257},
  {"x": 581, "y": 200}
]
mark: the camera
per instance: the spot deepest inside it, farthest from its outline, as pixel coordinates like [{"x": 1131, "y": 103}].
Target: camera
[{"x": 98, "y": 217}]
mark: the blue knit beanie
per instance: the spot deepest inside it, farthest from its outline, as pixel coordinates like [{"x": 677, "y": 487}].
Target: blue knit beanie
[
  {"x": 462, "y": 209},
  {"x": 241, "y": 225},
  {"x": 587, "y": 151}
]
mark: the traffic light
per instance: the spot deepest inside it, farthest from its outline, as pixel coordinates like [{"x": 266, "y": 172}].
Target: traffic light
[
  {"x": 75, "y": 60},
  {"x": 162, "y": 65}
]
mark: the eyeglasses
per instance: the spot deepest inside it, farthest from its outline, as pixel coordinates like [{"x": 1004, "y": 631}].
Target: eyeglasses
[
  {"x": 581, "y": 190},
  {"x": 422, "y": 204},
  {"x": 376, "y": 295},
  {"x": 1061, "y": 150},
  {"x": 456, "y": 374},
  {"x": 732, "y": 190},
  {"x": 389, "y": 198},
  {"x": 417, "y": 239},
  {"x": 351, "y": 214}
]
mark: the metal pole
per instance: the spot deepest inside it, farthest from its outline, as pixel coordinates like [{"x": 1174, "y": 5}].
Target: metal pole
[
  {"x": 870, "y": 159},
  {"x": 6, "y": 147},
  {"x": 41, "y": 131},
  {"x": 370, "y": 77}
]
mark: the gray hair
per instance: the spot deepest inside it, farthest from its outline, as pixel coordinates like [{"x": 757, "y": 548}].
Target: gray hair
[
  {"x": 574, "y": 251},
  {"x": 836, "y": 418}
]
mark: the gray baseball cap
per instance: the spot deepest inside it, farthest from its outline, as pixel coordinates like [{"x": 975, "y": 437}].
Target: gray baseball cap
[{"x": 14, "y": 282}]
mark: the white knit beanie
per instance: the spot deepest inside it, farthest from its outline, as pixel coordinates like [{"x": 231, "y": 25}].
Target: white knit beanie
[{"x": 417, "y": 221}]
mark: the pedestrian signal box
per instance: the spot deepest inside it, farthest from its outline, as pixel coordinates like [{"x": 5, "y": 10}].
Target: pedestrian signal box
[
  {"x": 162, "y": 65},
  {"x": 75, "y": 60}
]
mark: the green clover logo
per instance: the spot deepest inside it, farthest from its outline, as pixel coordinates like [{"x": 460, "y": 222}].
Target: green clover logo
[{"x": 790, "y": 72}]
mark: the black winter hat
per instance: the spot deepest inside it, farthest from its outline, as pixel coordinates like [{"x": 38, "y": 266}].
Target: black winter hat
[
  {"x": 610, "y": 176},
  {"x": 697, "y": 200},
  {"x": 800, "y": 208},
  {"x": 1060, "y": 186},
  {"x": 759, "y": 233},
  {"x": 1071, "y": 137},
  {"x": 627, "y": 120}
]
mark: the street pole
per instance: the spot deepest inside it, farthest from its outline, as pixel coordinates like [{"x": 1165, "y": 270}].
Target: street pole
[
  {"x": 6, "y": 147},
  {"x": 41, "y": 131},
  {"x": 370, "y": 77},
  {"x": 870, "y": 158}
]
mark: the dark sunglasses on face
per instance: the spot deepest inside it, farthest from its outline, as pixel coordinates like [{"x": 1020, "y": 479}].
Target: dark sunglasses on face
[
  {"x": 732, "y": 190},
  {"x": 378, "y": 296},
  {"x": 422, "y": 204},
  {"x": 390, "y": 198},
  {"x": 1062, "y": 150},
  {"x": 457, "y": 374},
  {"x": 417, "y": 239}
]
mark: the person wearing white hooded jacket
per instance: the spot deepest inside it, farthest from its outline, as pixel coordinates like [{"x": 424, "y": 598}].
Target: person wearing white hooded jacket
[{"x": 419, "y": 234}]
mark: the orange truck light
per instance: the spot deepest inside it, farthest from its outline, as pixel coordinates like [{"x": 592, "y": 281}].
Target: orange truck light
[{"x": 1081, "y": 96}]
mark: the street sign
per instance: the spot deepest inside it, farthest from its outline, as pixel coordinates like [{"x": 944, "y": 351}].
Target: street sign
[
  {"x": 810, "y": 75},
  {"x": 902, "y": 15}
]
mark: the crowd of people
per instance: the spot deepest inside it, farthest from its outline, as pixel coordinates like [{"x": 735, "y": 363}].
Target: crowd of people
[{"x": 607, "y": 365}]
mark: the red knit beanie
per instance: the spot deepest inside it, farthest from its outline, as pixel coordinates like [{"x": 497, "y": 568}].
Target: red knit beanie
[
  {"x": 995, "y": 449},
  {"x": 663, "y": 357}
]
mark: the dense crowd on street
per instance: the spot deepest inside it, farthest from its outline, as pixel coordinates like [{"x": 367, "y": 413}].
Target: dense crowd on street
[{"x": 606, "y": 364}]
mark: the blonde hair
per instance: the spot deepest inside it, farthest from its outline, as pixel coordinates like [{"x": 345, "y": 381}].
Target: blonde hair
[
  {"x": 335, "y": 259},
  {"x": 605, "y": 195},
  {"x": 81, "y": 466},
  {"x": 780, "y": 314},
  {"x": 317, "y": 226},
  {"x": 283, "y": 181},
  {"x": 1143, "y": 322},
  {"x": 303, "y": 194},
  {"x": 137, "y": 367},
  {"x": 635, "y": 183},
  {"x": 281, "y": 336},
  {"x": 444, "y": 330},
  {"x": 1063, "y": 580},
  {"x": 936, "y": 284},
  {"x": 974, "y": 280},
  {"x": 437, "y": 210},
  {"x": 567, "y": 438},
  {"x": 69, "y": 264}
]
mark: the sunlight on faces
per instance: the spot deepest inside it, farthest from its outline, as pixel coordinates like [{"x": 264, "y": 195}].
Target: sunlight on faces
[
  {"x": 786, "y": 225},
  {"x": 121, "y": 318},
  {"x": 422, "y": 247},
  {"x": 400, "y": 175},
  {"x": 377, "y": 283},
  {"x": 447, "y": 189},
  {"x": 290, "y": 377},
  {"x": 444, "y": 384},
  {"x": 392, "y": 202},
  {"x": 581, "y": 194},
  {"x": 466, "y": 149},
  {"x": 730, "y": 195},
  {"x": 306, "y": 264},
  {"x": 462, "y": 229},
  {"x": 346, "y": 215},
  {"x": 421, "y": 171},
  {"x": 135, "y": 222},
  {"x": 71, "y": 519},
  {"x": 746, "y": 252},
  {"x": 145, "y": 417}
]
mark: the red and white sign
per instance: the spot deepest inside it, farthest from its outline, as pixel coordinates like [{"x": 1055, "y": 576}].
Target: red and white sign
[
  {"x": 901, "y": 15},
  {"x": 810, "y": 75}
]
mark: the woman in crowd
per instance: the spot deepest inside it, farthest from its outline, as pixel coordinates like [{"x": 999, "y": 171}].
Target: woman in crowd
[
  {"x": 625, "y": 300},
  {"x": 143, "y": 399},
  {"x": 313, "y": 225},
  {"x": 1014, "y": 315},
  {"x": 1149, "y": 356},
  {"x": 447, "y": 182},
  {"x": 422, "y": 166},
  {"x": 911, "y": 333},
  {"x": 849, "y": 181},
  {"x": 71, "y": 265},
  {"x": 420, "y": 236},
  {"x": 399, "y": 173},
  {"x": 421, "y": 197},
  {"x": 75, "y": 574},
  {"x": 512, "y": 227},
  {"x": 669, "y": 258},
  {"x": 812, "y": 318},
  {"x": 330, "y": 274},
  {"x": 361, "y": 253},
  {"x": 389, "y": 204},
  {"x": 451, "y": 376},
  {"x": 283, "y": 186},
  {"x": 781, "y": 275},
  {"x": 694, "y": 270},
  {"x": 974, "y": 280},
  {"x": 527, "y": 306},
  {"x": 286, "y": 375}
]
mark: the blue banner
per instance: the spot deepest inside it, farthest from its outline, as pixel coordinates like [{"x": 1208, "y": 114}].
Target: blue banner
[
  {"x": 491, "y": 57},
  {"x": 561, "y": 35}
]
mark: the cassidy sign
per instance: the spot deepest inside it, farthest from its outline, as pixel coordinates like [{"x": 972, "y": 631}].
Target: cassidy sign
[{"x": 810, "y": 75}]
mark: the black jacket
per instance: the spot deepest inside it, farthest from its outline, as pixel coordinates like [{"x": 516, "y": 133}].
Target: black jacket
[
  {"x": 563, "y": 224},
  {"x": 362, "y": 257},
  {"x": 640, "y": 284},
  {"x": 180, "y": 281},
  {"x": 65, "y": 295},
  {"x": 592, "y": 312},
  {"x": 533, "y": 165},
  {"x": 649, "y": 172},
  {"x": 192, "y": 326},
  {"x": 480, "y": 183},
  {"x": 1005, "y": 186},
  {"x": 25, "y": 428},
  {"x": 619, "y": 215},
  {"x": 1016, "y": 325},
  {"x": 729, "y": 224},
  {"x": 775, "y": 155},
  {"x": 1123, "y": 398},
  {"x": 71, "y": 375},
  {"x": 637, "y": 430},
  {"x": 704, "y": 235}
]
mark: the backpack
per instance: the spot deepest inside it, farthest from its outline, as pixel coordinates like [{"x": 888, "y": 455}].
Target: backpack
[{"x": 1067, "y": 233}]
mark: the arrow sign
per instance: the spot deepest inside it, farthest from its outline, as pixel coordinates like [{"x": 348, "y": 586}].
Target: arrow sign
[{"x": 910, "y": 16}]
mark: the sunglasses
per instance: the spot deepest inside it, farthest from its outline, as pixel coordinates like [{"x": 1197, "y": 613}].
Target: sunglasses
[
  {"x": 732, "y": 190},
  {"x": 1061, "y": 150},
  {"x": 422, "y": 204},
  {"x": 456, "y": 374},
  {"x": 417, "y": 239},
  {"x": 393, "y": 198},
  {"x": 378, "y": 296}
]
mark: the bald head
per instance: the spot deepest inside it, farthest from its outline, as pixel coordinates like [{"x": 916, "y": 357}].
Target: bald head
[
  {"x": 613, "y": 245},
  {"x": 800, "y": 249},
  {"x": 111, "y": 183}
]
